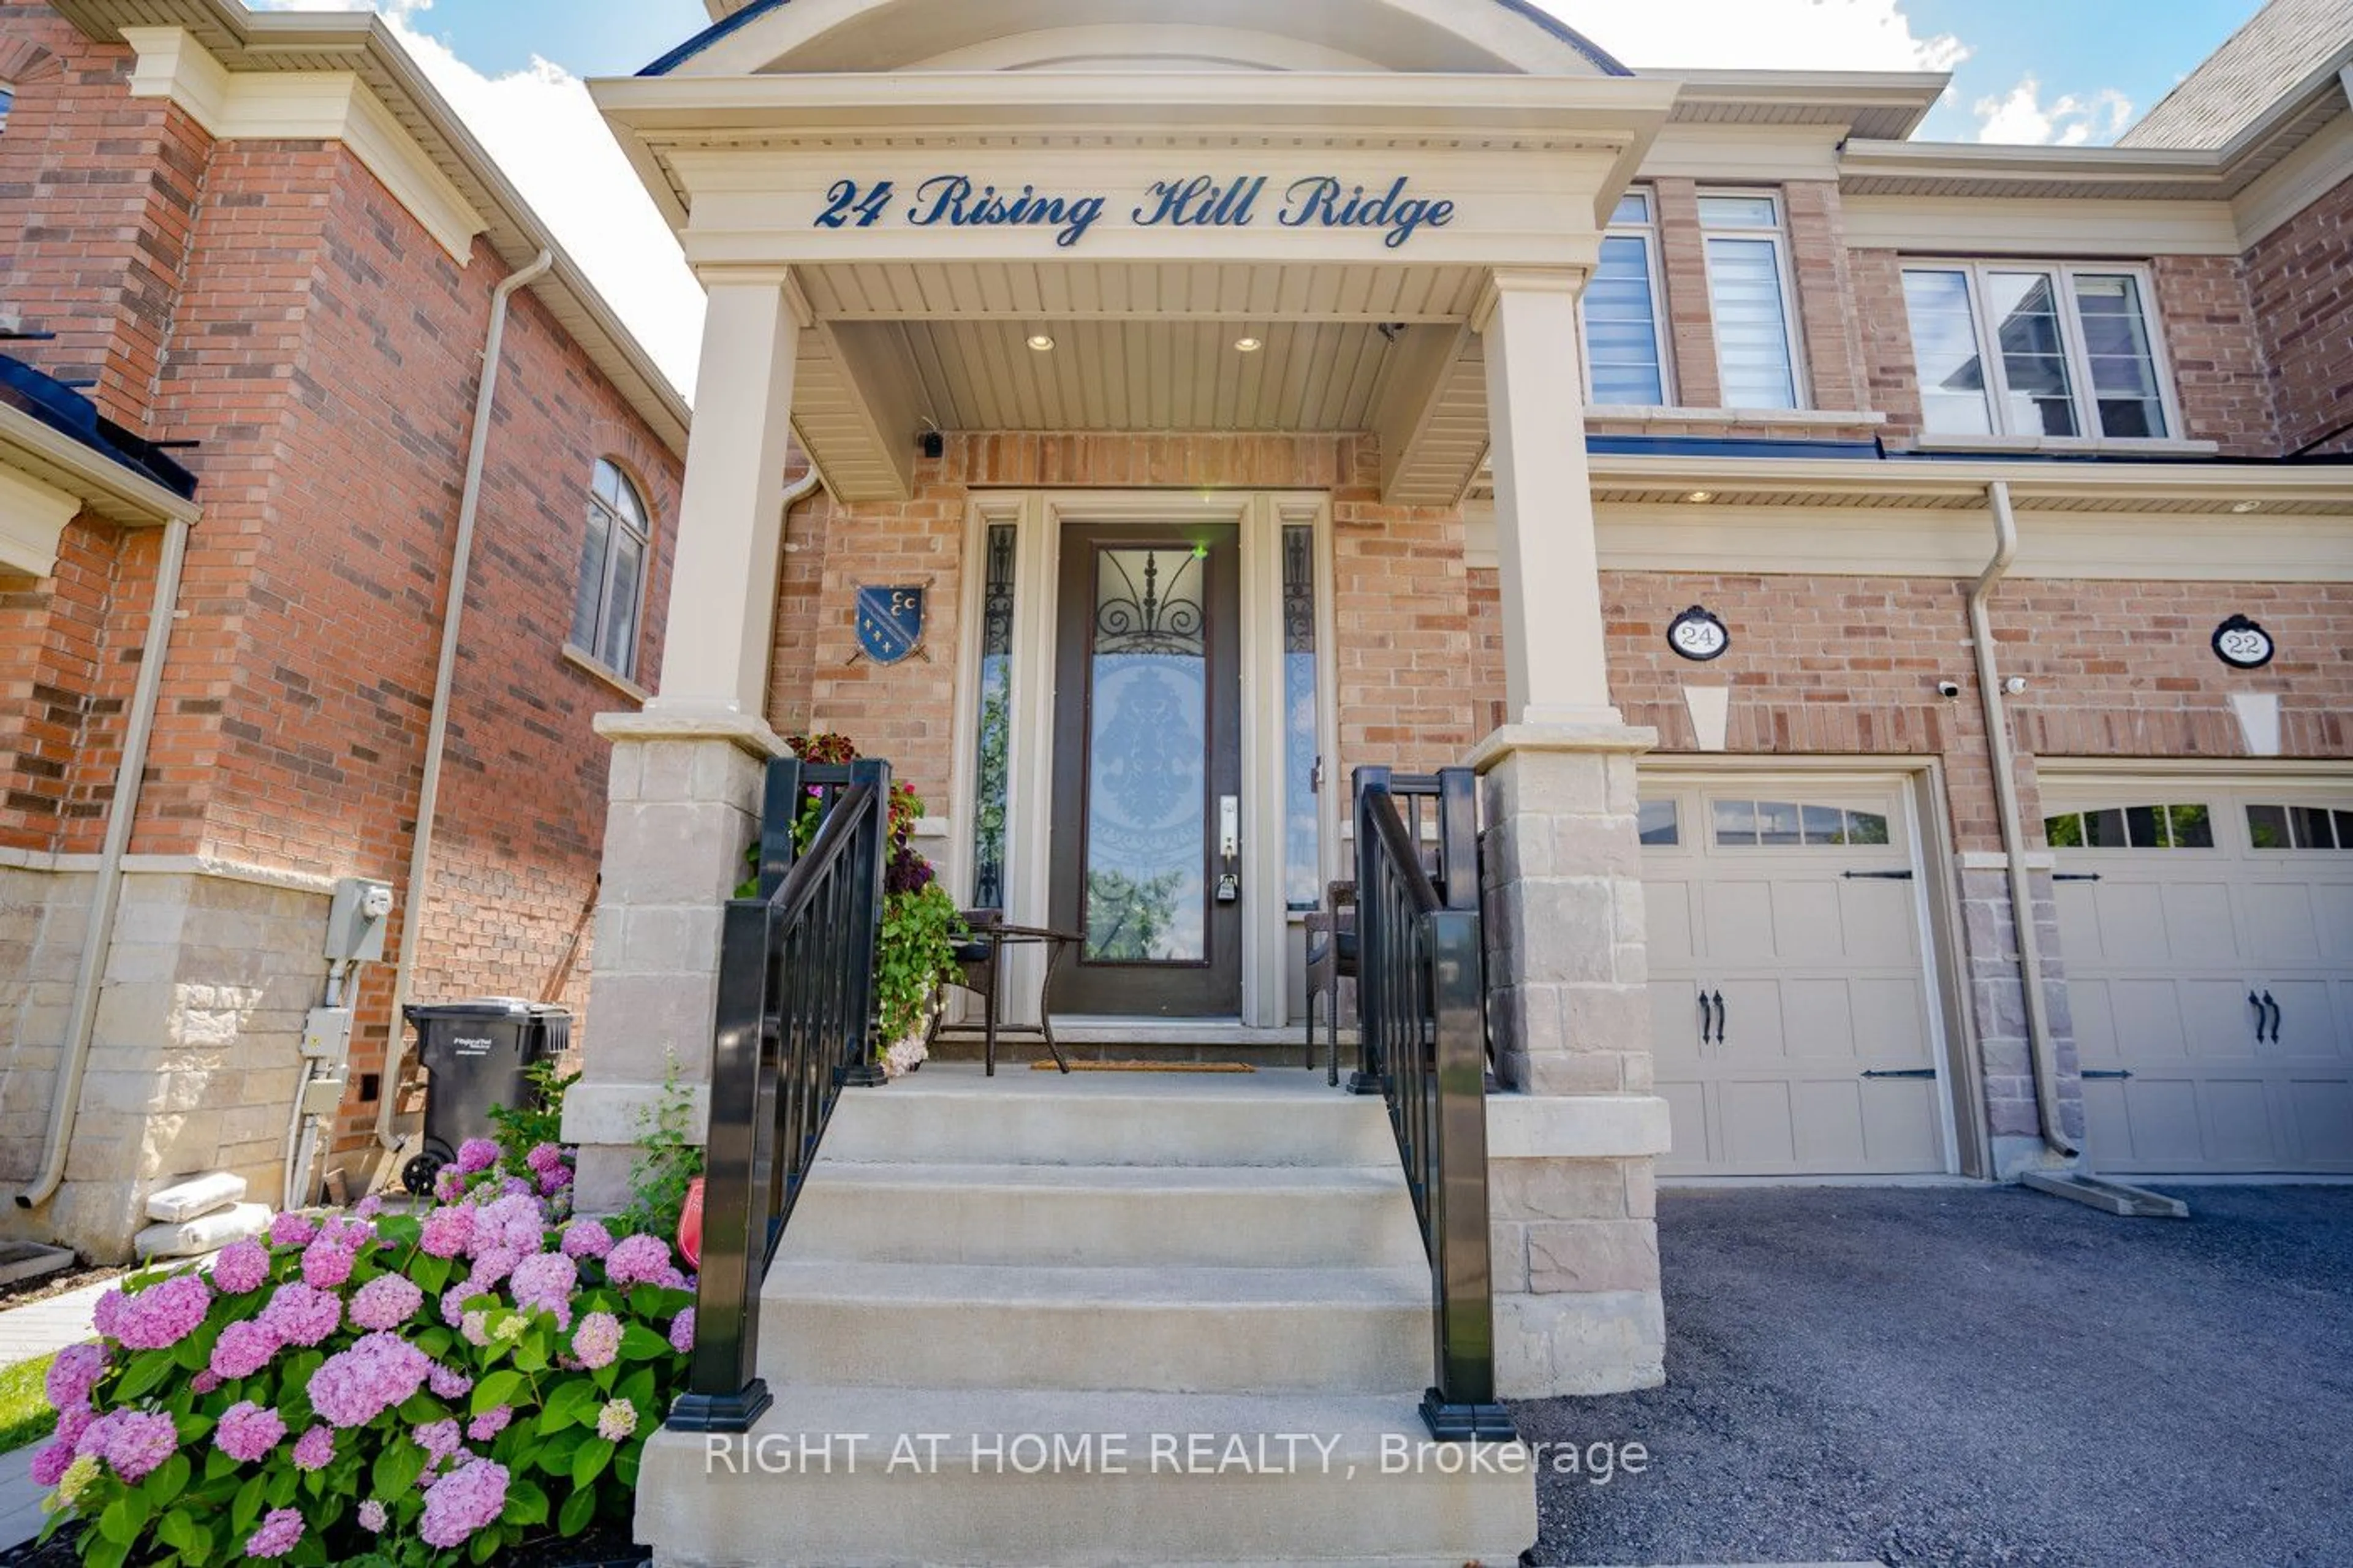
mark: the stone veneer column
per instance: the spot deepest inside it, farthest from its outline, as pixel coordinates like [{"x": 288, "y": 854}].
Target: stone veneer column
[
  {"x": 1575, "y": 1232},
  {"x": 1570, "y": 1145},
  {"x": 685, "y": 803}
]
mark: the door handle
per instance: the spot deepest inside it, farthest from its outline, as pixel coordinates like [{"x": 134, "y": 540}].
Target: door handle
[
  {"x": 2275, "y": 1007},
  {"x": 1705, "y": 1019},
  {"x": 1719, "y": 1017},
  {"x": 2262, "y": 1019}
]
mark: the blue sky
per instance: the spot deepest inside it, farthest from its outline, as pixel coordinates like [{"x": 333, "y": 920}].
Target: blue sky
[
  {"x": 2024, "y": 70},
  {"x": 2084, "y": 50}
]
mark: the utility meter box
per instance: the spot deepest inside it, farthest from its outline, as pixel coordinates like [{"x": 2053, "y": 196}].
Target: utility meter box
[{"x": 357, "y": 920}]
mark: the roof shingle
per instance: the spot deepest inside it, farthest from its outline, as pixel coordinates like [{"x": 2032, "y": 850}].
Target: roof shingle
[{"x": 2280, "y": 45}]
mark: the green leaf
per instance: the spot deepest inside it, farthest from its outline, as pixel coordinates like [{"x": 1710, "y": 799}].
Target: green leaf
[
  {"x": 555, "y": 1457},
  {"x": 199, "y": 1549},
  {"x": 578, "y": 1510},
  {"x": 625, "y": 1468},
  {"x": 396, "y": 1468},
  {"x": 532, "y": 1354},
  {"x": 246, "y": 1511},
  {"x": 169, "y": 1481},
  {"x": 436, "y": 1342},
  {"x": 499, "y": 1388},
  {"x": 526, "y": 1502},
  {"x": 121, "y": 1521},
  {"x": 590, "y": 1462},
  {"x": 99, "y": 1550},
  {"x": 146, "y": 1371},
  {"x": 639, "y": 1343},
  {"x": 216, "y": 1465},
  {"x": 570, "y": 1404},
  {"x": 282, "y": 1482},
  {"x": 432, "y": 1272},
  {"x": 485, "y": 1546},
  {"x": 176, "y": 1529},
  {"x": 639, "y": 1389},
  {"x": 422, "y": 1409}
]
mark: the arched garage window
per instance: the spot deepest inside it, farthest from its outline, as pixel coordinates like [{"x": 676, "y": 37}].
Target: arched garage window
[{"x": 612, "y": 573}]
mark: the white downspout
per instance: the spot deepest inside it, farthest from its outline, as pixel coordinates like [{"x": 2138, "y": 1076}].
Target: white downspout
[
  {"x": 2013, "y": 831},
  {"x": 462, "y": 561},
  {"x": 98, "y": 936}
]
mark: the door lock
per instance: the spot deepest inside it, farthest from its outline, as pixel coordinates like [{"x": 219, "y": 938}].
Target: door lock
[{"x": 1229, "y": 846}]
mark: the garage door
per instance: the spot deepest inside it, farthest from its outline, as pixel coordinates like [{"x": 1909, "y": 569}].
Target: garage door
[
  {"x": 1789, "y": 1001},
  {"x": 2208, "y": 935}
]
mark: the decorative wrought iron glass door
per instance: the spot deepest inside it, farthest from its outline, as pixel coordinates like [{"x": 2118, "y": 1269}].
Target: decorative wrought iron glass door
[{"x": 1148, "y": 772}]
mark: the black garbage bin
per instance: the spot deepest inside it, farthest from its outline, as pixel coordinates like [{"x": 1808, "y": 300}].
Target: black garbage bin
[{"x": 475, "y": 1054}]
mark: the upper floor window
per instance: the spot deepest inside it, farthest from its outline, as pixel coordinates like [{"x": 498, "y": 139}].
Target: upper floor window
[
  {"x": 1748, "y": 287},
  {"x": 7, "y": 102},
  {"x": 612, "y": 573},
  {"x": 2035, "y": 350},
  {"x": 1625, "y": 340}
]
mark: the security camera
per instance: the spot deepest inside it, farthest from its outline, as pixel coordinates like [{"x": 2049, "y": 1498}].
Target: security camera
[
  {"x": 2015, "y": 686},
  {"x": 1948, "y": 688}
]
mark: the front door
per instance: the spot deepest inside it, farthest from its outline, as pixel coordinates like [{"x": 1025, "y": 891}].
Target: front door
[{"x": 1147, "y": 771}]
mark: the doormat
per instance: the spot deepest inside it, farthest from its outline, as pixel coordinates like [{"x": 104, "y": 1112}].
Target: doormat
[{"x": 1147, "y": 1067}]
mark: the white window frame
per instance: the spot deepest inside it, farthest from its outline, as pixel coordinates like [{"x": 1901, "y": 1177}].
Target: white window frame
[
  {"x": 1661, "y": 329},
  {"x": 1792, "y": 326},
  {"x": 615, "y": 525},
  {"x": 2070, "y": 332}
]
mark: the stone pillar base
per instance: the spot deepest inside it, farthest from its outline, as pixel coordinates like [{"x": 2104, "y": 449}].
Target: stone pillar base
[
  {"x": 685, "y": 798},
  {"x": 1570, "y": 1146}
]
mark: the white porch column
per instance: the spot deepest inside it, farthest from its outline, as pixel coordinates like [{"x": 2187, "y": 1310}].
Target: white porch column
[
  {"x": 1553, "y": 668},
  {"x": 686, "y": 777},
  {"x": 1578, "y": 1307},
  {"x": 723, "y": 597}
]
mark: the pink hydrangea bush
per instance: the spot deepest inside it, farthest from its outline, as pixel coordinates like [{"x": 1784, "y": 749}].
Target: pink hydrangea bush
[{"x": 386, "y": 1390}]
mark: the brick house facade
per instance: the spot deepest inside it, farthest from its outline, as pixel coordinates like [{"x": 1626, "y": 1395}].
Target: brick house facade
[{"x": 314, "y": 327}]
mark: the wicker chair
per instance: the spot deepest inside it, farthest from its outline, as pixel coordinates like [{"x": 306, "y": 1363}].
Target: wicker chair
[{"x": 1331, "y": 958}]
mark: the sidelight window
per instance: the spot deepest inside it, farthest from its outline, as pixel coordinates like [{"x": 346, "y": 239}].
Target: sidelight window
[{"x": 991, "y": 774}]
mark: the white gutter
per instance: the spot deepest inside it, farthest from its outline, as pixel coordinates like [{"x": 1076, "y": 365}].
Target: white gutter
[
  {"x": 436, "y": 739},
  {"x": 98, "y": 936},
  {"x": 2039, "y": 1049}
]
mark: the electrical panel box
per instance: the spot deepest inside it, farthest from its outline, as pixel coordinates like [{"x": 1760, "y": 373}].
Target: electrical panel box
[
  {"x": 323, "y": 1096},
  {"x": 327, "y": 1034},
  {"x": 357, "y": 920}
]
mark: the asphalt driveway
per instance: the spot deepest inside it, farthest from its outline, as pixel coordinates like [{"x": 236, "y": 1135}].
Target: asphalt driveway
[{"x": 1965, "y": 1376}]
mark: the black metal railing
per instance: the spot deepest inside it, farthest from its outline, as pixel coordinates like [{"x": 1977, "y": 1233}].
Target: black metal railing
[
  {"x": 796, "y": 1024},
  {"x": 1420, "y": 981}
]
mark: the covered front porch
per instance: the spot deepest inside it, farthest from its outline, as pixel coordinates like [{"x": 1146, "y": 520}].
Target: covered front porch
[{"x": 1144, "y": 401}]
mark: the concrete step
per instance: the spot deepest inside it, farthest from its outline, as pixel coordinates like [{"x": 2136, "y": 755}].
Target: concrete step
[
  {"x": 1177, "y": 1329},
  {"x": 952, "y": 1113},
  {"x": 1142, "y": 1478},
  {"x": 1240, "y": 1216}
]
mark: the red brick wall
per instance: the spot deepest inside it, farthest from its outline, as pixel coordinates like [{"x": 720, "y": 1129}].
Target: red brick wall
[
  {"x": 107, "y": 187},
  {"x": 1851, "y": 665},
  {"x": 272, "y": 301},
  {"x": 2300, "y": 279},
  {"x": 1691, "y": 316},
  {"x": 1892, "y": 374},
  {"x": 1402, "y": 596},
  {"x": 1828, "y": 329},
  {"x": 2219, "y": 377}
]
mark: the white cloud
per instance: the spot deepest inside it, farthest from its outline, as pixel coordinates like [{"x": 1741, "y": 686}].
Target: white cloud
[
  {"x": 1761, "y": 34},
  {"x": 543, "y": 131},
  {"x": 2067, "y": 121}
]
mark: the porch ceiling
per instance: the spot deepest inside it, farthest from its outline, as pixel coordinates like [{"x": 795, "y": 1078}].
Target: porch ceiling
[{"x": 1141, "y": 347}]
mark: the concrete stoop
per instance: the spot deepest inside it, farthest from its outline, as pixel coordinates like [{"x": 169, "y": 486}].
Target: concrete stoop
[{"x": 1095, "y": 1320}]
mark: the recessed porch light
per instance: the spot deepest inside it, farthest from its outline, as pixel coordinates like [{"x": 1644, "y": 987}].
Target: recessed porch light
[
  {"x": 1700, "y": 497},
  {"x": 2244, "y": 507},
  {"x": 1041, "y": 343},
  {"x": 1249, "y": 345}
]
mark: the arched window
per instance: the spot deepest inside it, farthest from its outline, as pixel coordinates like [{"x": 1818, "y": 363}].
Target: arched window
[{"x": 613, "y": 559}]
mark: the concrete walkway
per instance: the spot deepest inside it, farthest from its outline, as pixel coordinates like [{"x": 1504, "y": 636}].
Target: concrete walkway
[{"x": 27, "y": 1333}]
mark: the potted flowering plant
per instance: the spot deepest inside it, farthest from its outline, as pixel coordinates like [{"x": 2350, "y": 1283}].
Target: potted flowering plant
[
  {"x": 916, "y": 953},
  {"x": 394, "y": 1391}
]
